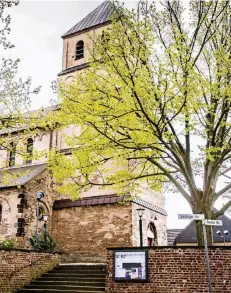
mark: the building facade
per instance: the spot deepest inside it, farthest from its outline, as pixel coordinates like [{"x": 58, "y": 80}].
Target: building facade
[{"x": 100, "y": 218}]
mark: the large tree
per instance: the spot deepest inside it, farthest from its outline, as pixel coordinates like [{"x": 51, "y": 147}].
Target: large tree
[
  {"x": 156, "y": 98},
  {"x": 15, "y": 93}
]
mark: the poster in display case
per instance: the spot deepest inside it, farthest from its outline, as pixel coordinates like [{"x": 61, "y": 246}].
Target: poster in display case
[{"x": 131, "y": 265}]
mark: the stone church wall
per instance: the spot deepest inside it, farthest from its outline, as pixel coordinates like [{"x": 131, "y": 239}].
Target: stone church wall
[
  {"x": 9, "y": 201},
  {"x": 92, "y": 229},
  {"x": 42, "y": 182},
  {"x": 158, "y": 220}
]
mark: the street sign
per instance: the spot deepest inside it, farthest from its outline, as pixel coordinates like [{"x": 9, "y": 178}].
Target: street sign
[
  {"x": 213, "y": 222},
  {"x": 191, "y": 216},
  {"x": 204, "y": 222}
]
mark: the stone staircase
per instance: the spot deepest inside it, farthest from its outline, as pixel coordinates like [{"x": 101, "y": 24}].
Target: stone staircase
[{"x": 70, "y": 278}]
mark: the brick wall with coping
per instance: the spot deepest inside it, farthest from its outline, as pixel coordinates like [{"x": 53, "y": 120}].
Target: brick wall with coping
[
  {"x": 19, "y": 267},
  {"x": 177, "y": 270}
]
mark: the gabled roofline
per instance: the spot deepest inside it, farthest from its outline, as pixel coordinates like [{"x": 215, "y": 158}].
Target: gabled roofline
[
  {"x": 41, "y": 166},
  {"x": 64, "y": 36}
]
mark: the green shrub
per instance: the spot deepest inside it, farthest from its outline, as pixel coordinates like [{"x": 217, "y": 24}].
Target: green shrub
[
  {"x": 38, "y": 242},
  {"x": 10, "y": 243}
]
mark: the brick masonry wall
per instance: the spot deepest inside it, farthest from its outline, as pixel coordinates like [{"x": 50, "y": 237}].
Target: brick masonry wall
[
  {"x": 19, "y": 267},
  {"x": 178, "y": 270},
  {"x": 93, "y": 229}
]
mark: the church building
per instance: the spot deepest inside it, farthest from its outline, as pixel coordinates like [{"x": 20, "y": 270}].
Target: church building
[{"x": 100, "y": 218}]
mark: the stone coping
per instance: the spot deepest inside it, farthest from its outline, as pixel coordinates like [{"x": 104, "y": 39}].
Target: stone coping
[
  {"x": 170, "y": 247},
  {"x": 83, "y": 264},
  {"x": 31, "y": 250}
]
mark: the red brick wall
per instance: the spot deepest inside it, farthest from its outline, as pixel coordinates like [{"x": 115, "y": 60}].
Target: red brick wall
[
  {"x": 19, "y": 267},
  {"x": 92, "y": 229},
  {"x": 178, "y": 270}
]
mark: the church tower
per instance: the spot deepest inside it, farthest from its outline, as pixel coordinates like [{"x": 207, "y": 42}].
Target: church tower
[
  {"x": 115, "y": 224},
  {"x": 77, "y": 39}
]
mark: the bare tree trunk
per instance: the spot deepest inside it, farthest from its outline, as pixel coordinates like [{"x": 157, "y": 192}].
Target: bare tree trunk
[
  {"x": 205, "y": 209},
  {"x": 199, "y": 233},
  {"x": 200, "y": 236}
]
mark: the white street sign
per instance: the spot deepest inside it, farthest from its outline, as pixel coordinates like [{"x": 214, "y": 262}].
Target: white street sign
[
  {"x": 191, "y": 216},
  {"x": 198, "y": 216},
  {"x": 213, "y": 222}
]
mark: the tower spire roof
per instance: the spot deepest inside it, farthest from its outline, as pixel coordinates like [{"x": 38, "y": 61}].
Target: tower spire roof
[{"x": 98, "y": 16}]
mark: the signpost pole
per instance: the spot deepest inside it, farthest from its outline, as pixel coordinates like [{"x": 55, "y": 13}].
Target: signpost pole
[{"x": 207, "y": 257}]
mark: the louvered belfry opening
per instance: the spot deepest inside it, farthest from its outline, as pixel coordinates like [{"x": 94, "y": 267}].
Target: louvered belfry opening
[{"x": 79, "y": 50}]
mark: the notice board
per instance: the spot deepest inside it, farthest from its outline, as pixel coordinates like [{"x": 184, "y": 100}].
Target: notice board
[{"x": 131, "y": 265}]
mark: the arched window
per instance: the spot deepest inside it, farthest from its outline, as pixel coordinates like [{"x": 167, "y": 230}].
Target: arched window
[
  {"x": 29, "y": 150},
  {"x": 79, "y": 53},
  {"x": 0, "y": 214},
  {"x": 12, "y": 154},
  {"x": 152, "y": 235}
]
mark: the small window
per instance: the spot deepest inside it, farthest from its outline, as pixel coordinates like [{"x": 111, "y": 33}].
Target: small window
[
  {"x": 79, "y": 54},
  {"x": 29, "y": 150},
  {"x": 21, "y": 227},
  {"x": 12, "y": 154},
  {"x": 0, "y": 214}
]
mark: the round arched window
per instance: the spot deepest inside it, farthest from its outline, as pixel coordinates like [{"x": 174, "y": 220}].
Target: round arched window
[
  {"x": 152, "y": 235},
  {"x": 79, "y": 53},
  {"x": 29, "y": 150},
  {"x": 41, "y": 213}
]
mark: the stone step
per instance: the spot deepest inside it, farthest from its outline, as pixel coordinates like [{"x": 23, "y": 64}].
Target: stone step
[
  {"x": 73, "y": 273},
  {"x": 74, "y": 264},
  {"x": 66, "y": 287},
  {"x": 72, "y": 278},
  {"x": 78, "y": 269},
  {"x": 69, "y": 282},
  {"x": 78, "y": 277},
  {"x": 56, "y": 290}
]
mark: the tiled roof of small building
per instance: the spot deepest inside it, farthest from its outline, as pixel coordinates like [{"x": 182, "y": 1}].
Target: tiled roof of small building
[
  {"x": 98, "y": 16},
  {"x": 102, "y": 200},
  {"x": 172, "y": 234},
  {"x": 19, "y": 176}
]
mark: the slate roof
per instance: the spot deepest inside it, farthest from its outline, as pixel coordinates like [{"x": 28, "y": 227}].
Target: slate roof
[
  {"x": 102, "y": 200},
  {"x": 20, "y": 176},
  {"x": 172, "y": 234},
  {"x": 98, "y": 16},
  {"x": 40, "y": 113},
  {"x": 188, "y": 235}
]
